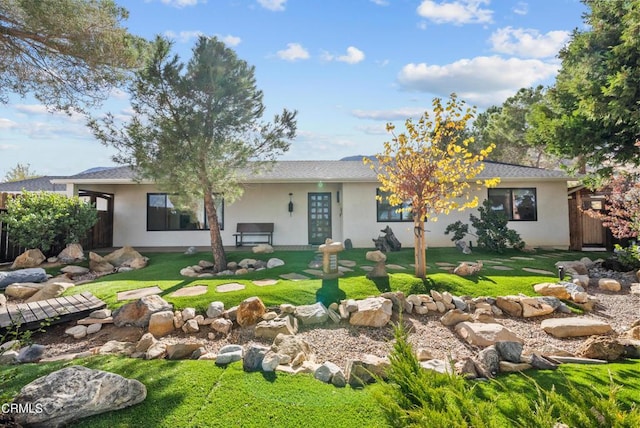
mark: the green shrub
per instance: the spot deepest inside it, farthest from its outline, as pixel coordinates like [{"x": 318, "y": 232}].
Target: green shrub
[
  {"x": 629, "y": 257},
  {"x": 491, "y": 228},
  {"x": 47, "y": 220}
]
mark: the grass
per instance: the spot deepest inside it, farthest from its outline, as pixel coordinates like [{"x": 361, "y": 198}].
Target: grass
[
  {"x": 163, "y": 271},
  {"x": 200, "y": 394}
]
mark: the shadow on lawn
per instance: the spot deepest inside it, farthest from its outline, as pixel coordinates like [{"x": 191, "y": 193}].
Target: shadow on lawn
[{"x": 330, "y": 292}]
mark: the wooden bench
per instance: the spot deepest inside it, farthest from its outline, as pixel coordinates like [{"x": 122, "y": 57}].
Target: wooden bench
[{"x": 254, "y": 230}]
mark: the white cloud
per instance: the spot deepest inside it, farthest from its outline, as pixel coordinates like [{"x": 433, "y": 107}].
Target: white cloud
[
  {"x": 7, "y": 147},
  {"x": 456, "y": 12},
  {"x": 521, "y": 8},
  {"x": 480, "y": 80},
  {"x": 293, "y": 52},
  {"x": 7, "y": 123},
  {"x": 183, "y": 36},
  {"x": 379, "y": 129},
  {"x": 390, "y": 115},
  {"x": 275, "y": 5},
  {"x": 380, "y": 2},
  {"x": 353, "y": 56},
  {"x": 182, "y": 3},
  {"x": 230, "y": 40},
  {"x": 528, "y": 42}
]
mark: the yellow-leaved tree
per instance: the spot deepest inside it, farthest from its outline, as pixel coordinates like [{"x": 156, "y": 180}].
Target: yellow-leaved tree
[{"x": 429, "y": 169}]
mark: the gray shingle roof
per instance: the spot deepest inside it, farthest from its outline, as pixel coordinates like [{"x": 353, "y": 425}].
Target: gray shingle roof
[
  {"x": 333, "y": 171},
  {"x": 34, "y": 185}
]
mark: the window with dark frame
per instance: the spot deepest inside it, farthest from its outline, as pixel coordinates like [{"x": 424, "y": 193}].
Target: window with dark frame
[
  {"x": 168, "y": 212},
  {"x": 387, "y": 213},
  {"x": 518, "y": 204}
]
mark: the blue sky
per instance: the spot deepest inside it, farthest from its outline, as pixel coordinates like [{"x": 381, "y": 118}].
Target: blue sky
[{"x": 347, "y": 66}]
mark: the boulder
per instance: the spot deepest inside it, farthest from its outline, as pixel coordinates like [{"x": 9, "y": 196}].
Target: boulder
[
  {"x": 466, "y": 368},
  {"x": 573, "y": 267},
  {"x": 99, "y": 264},
  {"x": 364, "y": 370},
  {"x": 454, "y": 317},
  {"x": 490, "y": 359},
  {"x": 509, "y": 351},
  {"x": 229, "y": 354},
  {"x": 100, "y": 314},
  {"x": 215, "y": 309},
  {"x": 139, "y": 312},
  {"x": 115, "y": 347},
  {"x": 534, "y": 307},
  {"x": 161, "y": 323},
  {"x": 609, "y": 284},
  {"x": 77, "y": 331},
  {"x": 74, "y": 271},
  {"x": 552, "y": 289},
  {"x": 29, "y": 259},
  {"x": 128, "y": 257},
  {"x": 509, "y": 367},
  {"x": 180, "y": 351},
  {"x": 222, "y": 325},
  {"x": 372, "y": 312},
  {"x": 94, "y": 328},
  {"x": 326, "y": 372},
  {"x": 440, "y": 366},
  {"x": 31, "y": 353},
  {"x": 262, "y": 249},
  {"x": 252, "y": 361},
  {"x": 274, "y": 263},
  {"x": 76, "y": 392},
  {"x": 510, "y": 304},
  {"x": 287, "y": 325},
  {"x": 72, "y": 253},
  {"x": 574, "y": 327},
  {"x": 22, "y": 275},
  {"x": 188, "y": 313},
  {"x": 270, "y": 362},
  {"x": 250, "y": 311},
  {"x": 145, "y": 342},
  {"x": 48, "y": 291},
  {"x": 22, "y": 291},
  {"x": 312, "y": 314},
  {"x": 467, "y": 269},
  {"x": 601, "y": 348},
  {"x": 191, "y": 326},
  {"x": 376, "y": 256},
  {"x": 541, "y": 363},
  {"x": 156, "y": 350},
  {"x": 483, "y": 335},
  {"x": 294, "y": 347}
]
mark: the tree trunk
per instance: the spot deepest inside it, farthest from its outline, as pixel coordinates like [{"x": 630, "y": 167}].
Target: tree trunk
[
  {"x": 420, "y": 248},
  {"x": 217, "y": 249}
]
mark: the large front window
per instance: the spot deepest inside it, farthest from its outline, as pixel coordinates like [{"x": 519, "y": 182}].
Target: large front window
[
  {"x": 518, "y": 204},
  {"x": 172, "y": 212},
  {"x": 386, "y": 212}
]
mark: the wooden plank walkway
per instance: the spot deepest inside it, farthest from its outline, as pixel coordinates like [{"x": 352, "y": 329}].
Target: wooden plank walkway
[{"x": 30, "y": 316}]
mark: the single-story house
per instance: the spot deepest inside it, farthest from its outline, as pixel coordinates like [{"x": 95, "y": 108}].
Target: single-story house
[{"x": 309, "y": 201}]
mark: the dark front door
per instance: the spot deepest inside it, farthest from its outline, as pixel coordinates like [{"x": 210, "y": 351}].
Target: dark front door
[{"x": 319, "y": 217}]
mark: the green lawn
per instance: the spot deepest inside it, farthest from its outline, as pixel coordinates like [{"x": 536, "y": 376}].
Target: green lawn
[
  {"x": 163, "y": 271},
  {"x": 200, "y": 394}
]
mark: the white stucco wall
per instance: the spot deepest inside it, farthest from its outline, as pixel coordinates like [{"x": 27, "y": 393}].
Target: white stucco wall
[{"x": 353, "y": 217}]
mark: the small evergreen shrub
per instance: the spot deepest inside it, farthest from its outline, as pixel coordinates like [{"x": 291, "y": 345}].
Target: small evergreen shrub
[
  {"x": 47, "y": 220},
  {"x": 628, "y": 257},
  {"x": 492, "y": 231}
]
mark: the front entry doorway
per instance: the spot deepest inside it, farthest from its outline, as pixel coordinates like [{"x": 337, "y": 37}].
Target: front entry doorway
[{"x": 319, "y": 209}]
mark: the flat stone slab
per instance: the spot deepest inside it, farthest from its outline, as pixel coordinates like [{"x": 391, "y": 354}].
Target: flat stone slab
[
  {"x": 574, "y": 327},
  {"x": 138, "y": 293},
  {"x": 344, "y": 269},
  {"x": 540, "y": 271},
  {"x": 445, "y": 264},
  {"x": 230, "y": 286},
  {"x": 499, "y": 267},
  {"x": 366, "y": 268},
  {"x": 493, "y": 262},
  {"x": 521, "y": 258},
  {"x": 265, "y": 282},
  {"x": 194, "y": 290},
  {"x": 347, "y": 263},
  {"x": 294, "y": 276},
  {"x": 314, "y": 272},
  {"x": 396, "y": 267}
]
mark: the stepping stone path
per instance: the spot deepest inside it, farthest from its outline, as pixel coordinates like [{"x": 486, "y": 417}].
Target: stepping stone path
[
  {"x": 521, "y": 258},
  {"x": 347, "y": 263},
  {"x": 445, "y": 264},
  {"x": 294, "y": 276},
  {"x": 136, "y": 294},
  {"x": 344, "y": 269},
  {"x": 500, "y": 267},
  {"x": 366, "y": 268},
  {"x": 494, "y": 262},
  {"x": 314, "y": 272},
  {"x": 540, "y": 271},
  {"x": 231, "y": 286},
  {"x": 195, "y": 290},
  {"x": 265, "y": 282},
  {"x": 396, "y": 267}
]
